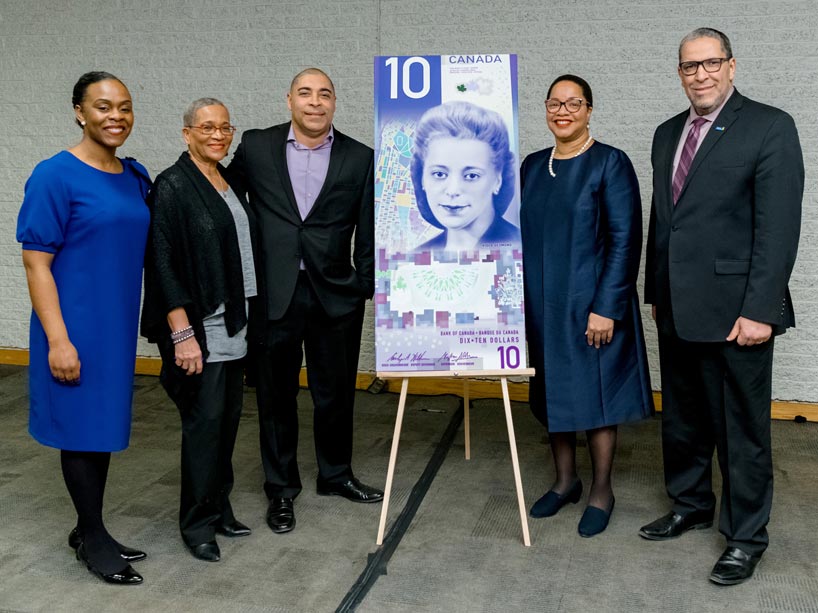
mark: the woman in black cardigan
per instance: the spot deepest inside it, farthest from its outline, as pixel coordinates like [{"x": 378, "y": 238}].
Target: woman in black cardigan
[{"x": 200, "y": 277}]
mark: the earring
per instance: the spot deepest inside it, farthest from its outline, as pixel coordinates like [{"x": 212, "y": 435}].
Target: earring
[
  {"x": 496, "y": 191},
  {"x": 82, "y": 123}
]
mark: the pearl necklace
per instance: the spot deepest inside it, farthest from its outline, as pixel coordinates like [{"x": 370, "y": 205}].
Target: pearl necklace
[{"x": 551, "y": 159}]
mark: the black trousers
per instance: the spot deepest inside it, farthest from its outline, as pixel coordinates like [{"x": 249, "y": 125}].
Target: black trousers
[
  {"x": 208, "y": 436},
  {"x": 717, "y": 395},
  {"x": 331, "y": 345}
]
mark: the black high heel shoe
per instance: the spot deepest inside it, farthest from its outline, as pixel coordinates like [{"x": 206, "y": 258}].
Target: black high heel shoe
[
  {"x": 126, "y": 576},
  {"x": 128, "y": 554},
  {"x": 552, "y": 502}
]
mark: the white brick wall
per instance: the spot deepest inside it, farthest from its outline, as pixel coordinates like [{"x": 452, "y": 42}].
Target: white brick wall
[{"x": 244, "y": 52}]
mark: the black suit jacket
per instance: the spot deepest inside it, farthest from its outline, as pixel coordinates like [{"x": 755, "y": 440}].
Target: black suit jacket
[
  {"x": 345, "y": 207},
  {"x": 727, "y": 248}
]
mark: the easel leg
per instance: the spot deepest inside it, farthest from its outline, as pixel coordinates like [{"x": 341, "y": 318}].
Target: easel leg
[
  {"x": 393, "y": 456},
  {"x": 466, "y": 431},
  {"x": 512, "y": 441}
]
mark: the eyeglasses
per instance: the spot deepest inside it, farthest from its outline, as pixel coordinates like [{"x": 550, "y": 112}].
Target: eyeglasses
[
  {"x": 209, "y": 130},
  {"x": 711, "y": 65},
  {"x": 572, "y": 105}
]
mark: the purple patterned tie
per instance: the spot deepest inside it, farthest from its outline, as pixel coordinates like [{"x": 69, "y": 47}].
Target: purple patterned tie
[{"x": 686, "y": 158}]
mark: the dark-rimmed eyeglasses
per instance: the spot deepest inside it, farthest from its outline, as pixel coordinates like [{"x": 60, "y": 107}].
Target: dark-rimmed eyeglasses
[
  {"x": 572, "y": 105},
  {"x": 209, "y": 130},
  {"x": 712, "y": 64}
]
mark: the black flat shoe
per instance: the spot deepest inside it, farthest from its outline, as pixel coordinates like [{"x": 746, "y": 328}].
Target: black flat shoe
[
  {"x": 551, "y": 502},
  {"x": 209, "y": 551},
  {"x": 674, "y": 525},
  {"x": 128, "y": 554},
  {"x": 126, "y": 576},
  {"x": 595, "y": 520},
  {"x": 734, "y": 566},
  {"x": 233, "y": 529},
  {"x": 352, "y": 490},
  {"x": 280, "y": 515}
]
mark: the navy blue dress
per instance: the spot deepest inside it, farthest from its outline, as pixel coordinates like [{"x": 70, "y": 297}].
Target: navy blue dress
[
  {"x": 96, "y": 225},
  {"x": 582, "y": 240}
]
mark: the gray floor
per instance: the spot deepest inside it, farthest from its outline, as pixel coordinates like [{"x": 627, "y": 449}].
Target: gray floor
[{"x": 462, "y": 551}]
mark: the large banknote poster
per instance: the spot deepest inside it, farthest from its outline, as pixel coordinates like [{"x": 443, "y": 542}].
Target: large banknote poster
[{"x": 449, "y": 284}]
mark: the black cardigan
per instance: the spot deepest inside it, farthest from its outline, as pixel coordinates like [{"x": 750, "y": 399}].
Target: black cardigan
[{"x": 192, "y": 261}]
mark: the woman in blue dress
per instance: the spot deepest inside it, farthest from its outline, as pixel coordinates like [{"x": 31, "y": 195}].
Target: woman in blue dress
[
  {"x": 582, "y": 237},
  {"x": 83, "y": 227}
]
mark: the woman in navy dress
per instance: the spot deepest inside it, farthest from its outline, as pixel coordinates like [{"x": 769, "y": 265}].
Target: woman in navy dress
[
  {"x": 582, "y": 238},
  {"x": 83, "y": 226}
]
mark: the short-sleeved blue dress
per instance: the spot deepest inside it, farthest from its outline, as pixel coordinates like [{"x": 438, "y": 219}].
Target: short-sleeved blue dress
[
  {"x": 582, "y": 240},
  {"x": 96, "y": 225}
]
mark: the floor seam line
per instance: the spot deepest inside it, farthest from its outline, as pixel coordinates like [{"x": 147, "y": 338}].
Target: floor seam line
[{"x": 377, "y": 561}]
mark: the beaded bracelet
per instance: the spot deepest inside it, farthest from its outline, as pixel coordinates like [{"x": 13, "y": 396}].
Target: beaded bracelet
[
  {"x": 179, "y": 333},
  {"x": 180, "y": 339}
]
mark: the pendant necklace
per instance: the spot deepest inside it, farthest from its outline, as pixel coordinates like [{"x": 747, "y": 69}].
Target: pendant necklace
[
  {"x": 217, "y": 183},
  {"x": 215, "y": 180}
]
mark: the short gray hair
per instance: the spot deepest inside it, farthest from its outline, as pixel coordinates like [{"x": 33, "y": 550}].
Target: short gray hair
[
  {"x": 190, "y": 114},
  {"x": 726, "y": 48}
]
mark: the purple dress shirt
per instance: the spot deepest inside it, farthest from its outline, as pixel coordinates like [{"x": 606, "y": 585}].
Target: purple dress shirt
[{"x": 308, "y": 169}]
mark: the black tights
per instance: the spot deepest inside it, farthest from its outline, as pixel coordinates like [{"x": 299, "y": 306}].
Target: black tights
[
  {"x": 85, "y": 474},
  {"x": 602, "y": 446}
]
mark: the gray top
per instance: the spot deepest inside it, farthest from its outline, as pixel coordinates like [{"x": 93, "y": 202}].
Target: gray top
[
  {"x": 221, "y": 346},
  {"x": 245, "y": 246}
]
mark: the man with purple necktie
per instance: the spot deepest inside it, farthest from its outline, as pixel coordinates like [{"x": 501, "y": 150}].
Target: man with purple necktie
[{"x": 728, "y": 179}]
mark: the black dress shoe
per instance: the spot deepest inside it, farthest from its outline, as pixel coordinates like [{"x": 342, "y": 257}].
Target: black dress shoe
[
  {"x": 128, "y": 554},
  {"x": 280, "y": 515},
  {"x": 126, "y": 576},
  {"x": 209, "y": 551},
  {"x": 594, "y": 520},
  {"x": 232, "y": 529},
  {"x": 672, "y": 525},
  {"x": 551, "y": 502},
  {"x": 352, "y": 490},
  {"x": 734, "y": 566}
]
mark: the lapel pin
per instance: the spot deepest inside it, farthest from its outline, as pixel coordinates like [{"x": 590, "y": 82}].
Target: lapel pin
[{"x": 719, "y": 128}]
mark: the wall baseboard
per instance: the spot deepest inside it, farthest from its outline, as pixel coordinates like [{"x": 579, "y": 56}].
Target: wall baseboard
[{"x": 478, "y": 388}]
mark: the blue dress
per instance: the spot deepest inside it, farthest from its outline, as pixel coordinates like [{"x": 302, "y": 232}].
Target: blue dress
[
  {"x": 582, "y": 240},
  {"x": 96, "y": 224}
]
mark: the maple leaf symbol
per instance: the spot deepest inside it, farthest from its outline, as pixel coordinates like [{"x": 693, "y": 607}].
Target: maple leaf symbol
[{"x": 461, "y": 88}]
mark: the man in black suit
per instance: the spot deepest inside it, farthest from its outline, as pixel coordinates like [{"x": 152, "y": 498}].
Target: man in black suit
[
  {"x": 311, "y": 188},
  {"x": 728, "y": 179}
]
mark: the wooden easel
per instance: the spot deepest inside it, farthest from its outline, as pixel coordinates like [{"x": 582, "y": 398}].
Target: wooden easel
[{"x": 512, "y": 441}]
